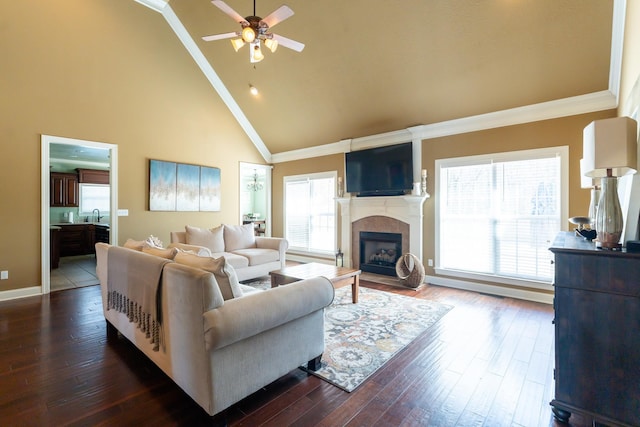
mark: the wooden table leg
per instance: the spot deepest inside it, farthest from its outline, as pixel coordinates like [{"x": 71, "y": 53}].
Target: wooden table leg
[
  {"x": 355, "y": 288},
  {"x": 274, "y": 281}
]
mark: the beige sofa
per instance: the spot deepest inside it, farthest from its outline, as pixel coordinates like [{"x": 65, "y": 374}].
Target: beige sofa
[
  {"x": 249, "y": 255},
  {"x": 218, "y": 351}
]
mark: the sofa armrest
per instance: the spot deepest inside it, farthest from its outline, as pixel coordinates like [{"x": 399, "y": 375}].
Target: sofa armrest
[
  {"x": 244, "y": 317},
  {"x": 277, "y": 243},
  {"x": 178, "y": 236}
]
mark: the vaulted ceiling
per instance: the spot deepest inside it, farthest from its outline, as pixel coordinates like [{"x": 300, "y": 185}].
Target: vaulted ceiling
[{"x": 376, "y": 66}]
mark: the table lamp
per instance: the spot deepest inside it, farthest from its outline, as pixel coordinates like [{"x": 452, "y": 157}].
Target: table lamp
[{"x": 609, "y": 150}]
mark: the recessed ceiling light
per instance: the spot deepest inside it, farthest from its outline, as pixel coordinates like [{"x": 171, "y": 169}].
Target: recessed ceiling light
[{"x": 253, "y": 90}]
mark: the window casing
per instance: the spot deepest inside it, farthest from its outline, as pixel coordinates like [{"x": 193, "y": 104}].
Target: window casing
[
  {"x": 497, "y": 215},
  {"x": 310, "y": 213}
]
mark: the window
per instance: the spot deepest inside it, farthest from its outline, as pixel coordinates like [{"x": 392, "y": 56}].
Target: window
[
  {"x": 310, "y": 212},
  {"x": 94, "y": 196},
  {"x": 498, "y": 214}
]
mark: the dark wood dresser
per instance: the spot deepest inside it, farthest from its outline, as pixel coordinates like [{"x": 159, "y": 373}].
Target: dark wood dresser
[{"x": 597, "y": 332}]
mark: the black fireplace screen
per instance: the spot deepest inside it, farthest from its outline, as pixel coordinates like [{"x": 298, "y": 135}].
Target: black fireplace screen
[{"x": 379, "y": 252}]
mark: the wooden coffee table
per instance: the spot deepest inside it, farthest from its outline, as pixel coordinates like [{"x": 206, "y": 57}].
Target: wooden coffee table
[{"x": 339, "y": 276}]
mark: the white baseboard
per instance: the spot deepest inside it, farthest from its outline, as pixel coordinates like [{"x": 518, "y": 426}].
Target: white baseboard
[
  {"x": 523, "y": 294},
  {"x": 20, "y": 293}
]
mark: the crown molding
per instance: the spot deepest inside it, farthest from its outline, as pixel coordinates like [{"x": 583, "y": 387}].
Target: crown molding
[
  {"x": 572, "y": 106},
  {"x": 339, "y": 147},
  {"x": 157, "y": 5},
  {"x": 381, "y": 139},
  {"x": 617, "y": 42}
]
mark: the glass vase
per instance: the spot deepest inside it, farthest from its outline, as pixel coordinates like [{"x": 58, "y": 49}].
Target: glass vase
[{"x": 609, "y": 215}]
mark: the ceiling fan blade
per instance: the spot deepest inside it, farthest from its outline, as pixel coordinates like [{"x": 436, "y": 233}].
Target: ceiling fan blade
[
  {"x": 288, "y": 43},
  {"x": 228, "y": 10},
  {"x": 219, "y": 36},
  {"x": 278, "y": 15}
]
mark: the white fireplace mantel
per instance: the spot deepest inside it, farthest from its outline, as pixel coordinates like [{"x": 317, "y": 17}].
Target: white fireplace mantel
[{"x": 407, "y": 209}]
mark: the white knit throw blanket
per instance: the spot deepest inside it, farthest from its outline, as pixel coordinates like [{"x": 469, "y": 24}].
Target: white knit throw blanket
[{"x": 134, "y": 288}]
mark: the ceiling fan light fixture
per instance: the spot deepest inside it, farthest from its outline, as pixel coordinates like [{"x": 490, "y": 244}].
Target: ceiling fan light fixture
[
  {"x": 255, "y": 29},
  {"x": 255, "y": 53},
  {"x": 237, "y": 43},
  {"x": 248, "y": 34},
  {"x": 271, "y": 44}
]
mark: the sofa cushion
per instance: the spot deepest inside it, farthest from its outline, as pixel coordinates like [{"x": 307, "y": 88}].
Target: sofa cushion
[
  {"x": 212, "y": 238},
  {"x": 236, "y": 261},
  {"x": 168, "y": 253},
  {"x": 238, "y": 237},
  {"x": 221, "y": 269},
  {"x": 259, "y": 256}
]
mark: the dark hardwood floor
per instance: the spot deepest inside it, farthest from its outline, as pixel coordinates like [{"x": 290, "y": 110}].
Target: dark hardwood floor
[{"x": 488, "y": 362}]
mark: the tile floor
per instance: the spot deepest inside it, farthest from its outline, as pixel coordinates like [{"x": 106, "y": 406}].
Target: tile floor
[{"x": 74, "y": 272}]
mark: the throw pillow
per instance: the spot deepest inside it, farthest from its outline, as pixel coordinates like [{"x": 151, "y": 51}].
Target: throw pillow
[
  {"x": 198, "y": 250},
  {"x": 239, "y": 237},
  {"x": 225, "y": 274},
  {"x": 212, "y": 239},
  {"x": 168, "y": 253},
  {"x": 134, "y": 244}
]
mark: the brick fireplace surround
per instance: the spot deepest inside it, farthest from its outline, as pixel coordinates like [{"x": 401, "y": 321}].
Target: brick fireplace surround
[{"x": 394, "y": 214}]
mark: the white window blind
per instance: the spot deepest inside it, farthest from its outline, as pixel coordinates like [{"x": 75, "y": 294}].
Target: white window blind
[
  {"x": 498, "y": 215},
  {"x": 310, "y": 212},
  {"x": 95, "y": 196}
]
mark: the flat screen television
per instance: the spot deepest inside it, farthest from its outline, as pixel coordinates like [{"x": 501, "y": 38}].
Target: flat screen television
[{"x": 380, "y": 171}]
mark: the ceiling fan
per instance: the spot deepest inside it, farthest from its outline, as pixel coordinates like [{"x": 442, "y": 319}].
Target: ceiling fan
[{"x": 256, "y": 29}]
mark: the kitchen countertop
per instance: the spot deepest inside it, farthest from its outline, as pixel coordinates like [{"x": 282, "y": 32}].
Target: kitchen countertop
[{"x": 101, "y": 224}]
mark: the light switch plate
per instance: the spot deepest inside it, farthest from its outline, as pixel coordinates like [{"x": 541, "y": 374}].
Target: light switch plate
[{"x": 4, "y": 275}]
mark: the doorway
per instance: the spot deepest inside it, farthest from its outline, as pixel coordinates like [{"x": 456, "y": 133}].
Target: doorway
[
  {"x": 255, "y": 196},
  {"x": 81, "y": 158}
]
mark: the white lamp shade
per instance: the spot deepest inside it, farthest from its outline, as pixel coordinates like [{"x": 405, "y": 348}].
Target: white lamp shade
[
  {"x": 610, "y": 144},
  {"x": 271, "y": 44},
  {"x": 237, "y": 43},
  {"x": 255, "y": 53}
]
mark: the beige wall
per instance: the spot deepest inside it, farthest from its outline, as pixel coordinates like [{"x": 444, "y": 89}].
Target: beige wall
[{"x": 108, "y": 71}]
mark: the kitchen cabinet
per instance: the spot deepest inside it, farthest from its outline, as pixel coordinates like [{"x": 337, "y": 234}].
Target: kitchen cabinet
[
  {"x": 54, "y": 242},
  {"x": 93, "y": 176},
  {"x": 64, "y": 190},
  {"x": 101, "y": 233},
  {"x": 80, "y": 238},
  {"x": 597, "y": 344},
  {"x": 76, "y": 239}
]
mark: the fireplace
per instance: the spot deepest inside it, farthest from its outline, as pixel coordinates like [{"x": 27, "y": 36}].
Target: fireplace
[
  {"x": 399, "y": 214},
  {"x": 379, "y": 252}
]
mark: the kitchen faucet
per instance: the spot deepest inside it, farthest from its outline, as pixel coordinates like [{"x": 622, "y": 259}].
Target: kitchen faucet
[{"x": 96, "y": 215}]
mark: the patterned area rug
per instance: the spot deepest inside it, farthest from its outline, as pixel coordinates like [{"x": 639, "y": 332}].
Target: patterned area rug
[{"x": 360, "y": 338}]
